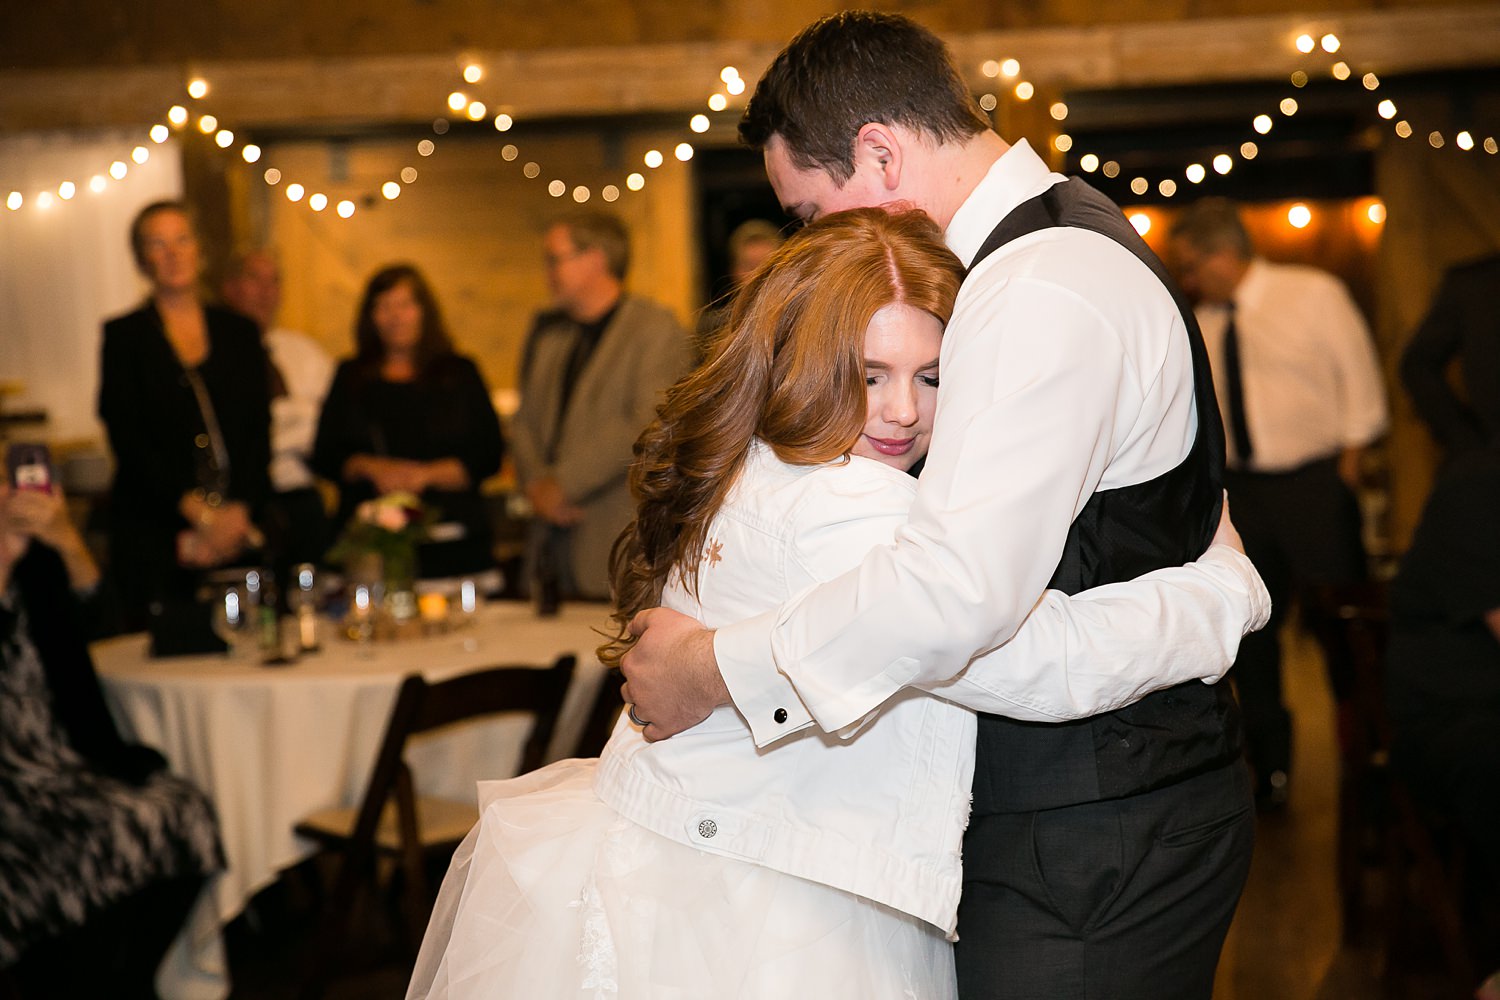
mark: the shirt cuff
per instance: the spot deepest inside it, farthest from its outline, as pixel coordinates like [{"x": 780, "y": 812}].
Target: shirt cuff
[{"x": 760, "y": 692}]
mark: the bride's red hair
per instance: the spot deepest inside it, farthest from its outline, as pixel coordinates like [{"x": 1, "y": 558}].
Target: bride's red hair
[{"x": 787, "y": 368}]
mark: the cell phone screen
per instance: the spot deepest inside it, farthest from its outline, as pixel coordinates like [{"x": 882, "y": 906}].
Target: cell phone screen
[{"x": 29, "y": 466}]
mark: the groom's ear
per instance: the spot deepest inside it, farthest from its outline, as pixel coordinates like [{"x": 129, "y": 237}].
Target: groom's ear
[{"x": 878, "y": 149}]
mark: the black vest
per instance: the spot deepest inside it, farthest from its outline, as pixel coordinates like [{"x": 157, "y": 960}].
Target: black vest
[{"x": 1168, "y": 736}]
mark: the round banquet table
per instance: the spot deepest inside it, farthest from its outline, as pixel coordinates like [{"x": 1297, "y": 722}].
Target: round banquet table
[{"x": 270, "y": 744}]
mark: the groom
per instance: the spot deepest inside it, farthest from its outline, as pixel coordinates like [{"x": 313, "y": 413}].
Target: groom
[{"x": 1077, "y": 443}]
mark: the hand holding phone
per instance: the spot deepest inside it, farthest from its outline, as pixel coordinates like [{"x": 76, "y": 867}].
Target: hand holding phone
[{"x": 29, "y": 466}]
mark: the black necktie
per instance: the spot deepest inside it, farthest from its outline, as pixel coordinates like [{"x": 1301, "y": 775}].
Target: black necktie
[{"x": 1234, "y": 390}]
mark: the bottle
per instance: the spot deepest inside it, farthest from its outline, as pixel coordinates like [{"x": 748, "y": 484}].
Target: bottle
[
  {"x": 272, "y": 609},
  {"x": 546, "y": 584},
  {"x": 306, "y": 609}
]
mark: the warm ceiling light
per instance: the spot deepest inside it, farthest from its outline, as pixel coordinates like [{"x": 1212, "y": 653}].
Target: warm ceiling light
[
  {"x": 653, "y": 158},
  {"x": 294, "y": 192},
  {"x": 345, "y": 209},
  {"x": 473, "y": 73},
  {"x": 1299, "y": 215},
  {"x": 391, "y": 190},
  {"x": 159, "y": 133},
  {"x": 683, "y": 152},
  {"x": 1141, "y": 221},
  {"x": 1223, "y": 163},
  {"x": 635, "y": 182},
  {"x": 251, "y": 152},
  {"x": 177, "y": 115},
  {"x": 198, "y": 88},
  {"x": 318, "y": 202},
  {"x": 1196, "y": 172},
  {"x": 1305, "y": 43},
  {"x": 457, "y": 101}
]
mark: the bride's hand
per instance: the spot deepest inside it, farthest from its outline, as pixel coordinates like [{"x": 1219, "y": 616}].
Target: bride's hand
[{"x": 1227, "y": 533}]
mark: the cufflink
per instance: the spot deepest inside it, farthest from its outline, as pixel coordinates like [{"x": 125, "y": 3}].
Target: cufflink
[{"x": 779, "y": 715}]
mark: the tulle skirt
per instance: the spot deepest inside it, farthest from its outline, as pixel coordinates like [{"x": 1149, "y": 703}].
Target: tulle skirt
[{"x": 554, "y": 895}]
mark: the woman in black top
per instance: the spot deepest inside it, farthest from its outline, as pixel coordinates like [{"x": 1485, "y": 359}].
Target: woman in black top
[
  {"x": 407, "y": 413},
  {"x": 183, "y": 395}
]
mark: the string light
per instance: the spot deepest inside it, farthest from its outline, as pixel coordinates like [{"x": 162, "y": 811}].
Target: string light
[
  {"x": 197, "y": 89},
  {"x": 1223, "y": 163},
  {"x": 317, "y": 201},
  {"x": 1299, "y": 215}
]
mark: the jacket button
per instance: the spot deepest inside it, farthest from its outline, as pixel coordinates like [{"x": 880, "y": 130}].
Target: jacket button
[
  {"x": 707, "y": 828},
  {"x": 201, "y": 440},
  {"x": 779, "y": 715}
]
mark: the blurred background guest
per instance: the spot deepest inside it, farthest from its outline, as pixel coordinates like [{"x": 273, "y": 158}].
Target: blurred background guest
[
  {"x": 103, "y": 852},
  {"x": 750, "y": 244},
  {"x": 1443, "y": 672},
  {"x": 298, "y": 379},
  {"x": 408, "y": 413},
  {"x": 593, "y": 370},
  {"x": 183, "y": 396},
  {"x": 1462, "y": 323},
  {"x": 1300, "y": 390}
]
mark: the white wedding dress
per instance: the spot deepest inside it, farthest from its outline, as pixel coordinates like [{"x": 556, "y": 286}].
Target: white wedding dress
[{"x": 555, "y": 895}]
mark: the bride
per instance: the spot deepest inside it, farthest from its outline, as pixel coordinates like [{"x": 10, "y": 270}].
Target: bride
[{"x": 701, "y": 866}]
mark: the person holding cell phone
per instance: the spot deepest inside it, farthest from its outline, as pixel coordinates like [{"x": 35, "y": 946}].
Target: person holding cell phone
[
  {"x": 103, "y": 851},
  {"x": 184, "y": 396}
]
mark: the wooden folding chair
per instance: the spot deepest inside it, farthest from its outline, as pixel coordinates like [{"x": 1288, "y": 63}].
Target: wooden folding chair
[
  {"x": 391, "y": 821},
  {"x": 602, "y": 717},
  {"x": 1376, "y": 807}
]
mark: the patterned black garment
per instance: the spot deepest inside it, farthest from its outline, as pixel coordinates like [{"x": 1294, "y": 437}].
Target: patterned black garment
[{"x": 77, "y": 837}]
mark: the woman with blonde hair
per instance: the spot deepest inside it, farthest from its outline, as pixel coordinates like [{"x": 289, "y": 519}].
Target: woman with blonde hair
[{"x": 702, "y": 866}]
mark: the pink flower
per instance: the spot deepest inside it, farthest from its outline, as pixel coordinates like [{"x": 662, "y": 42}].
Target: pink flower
[{"x": 390, "y": 518}]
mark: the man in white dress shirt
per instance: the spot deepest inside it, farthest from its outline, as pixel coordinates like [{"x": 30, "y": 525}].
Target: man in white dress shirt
[
  {"x": 1076, "y": 441},
  {"x": 301, "y": 373},
  {"x": 1302, "y": 399}
]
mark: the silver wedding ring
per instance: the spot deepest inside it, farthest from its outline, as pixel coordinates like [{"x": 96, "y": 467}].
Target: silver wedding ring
[{"x": 630, "y": 711}]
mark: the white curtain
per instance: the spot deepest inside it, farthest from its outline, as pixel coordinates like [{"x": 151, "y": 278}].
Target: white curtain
[{"x": 66, "y": 268}]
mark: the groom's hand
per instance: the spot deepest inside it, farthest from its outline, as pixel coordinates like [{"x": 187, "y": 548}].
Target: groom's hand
[{"x": 672, "y": 680}]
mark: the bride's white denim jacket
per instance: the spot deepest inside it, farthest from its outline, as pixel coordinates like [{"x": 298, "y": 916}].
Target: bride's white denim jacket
[{"x": 878, "y": 809}]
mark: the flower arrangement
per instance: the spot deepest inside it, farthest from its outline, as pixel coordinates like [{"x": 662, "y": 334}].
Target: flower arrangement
[{"x": 390, "y": 526}]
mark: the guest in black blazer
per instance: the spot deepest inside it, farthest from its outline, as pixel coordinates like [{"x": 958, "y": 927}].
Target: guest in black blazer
[
  {"x": 407, "y": 413},
  {"x": 183, "y": 394},
  {"x": 1462, "y": 323}
]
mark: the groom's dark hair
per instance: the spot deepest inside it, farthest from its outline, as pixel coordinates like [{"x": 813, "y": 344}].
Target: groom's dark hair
[{"x": 850, "y": 69}]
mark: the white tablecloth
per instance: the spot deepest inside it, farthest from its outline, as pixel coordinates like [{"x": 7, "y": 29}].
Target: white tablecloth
[{"x": 271, "y": 744}]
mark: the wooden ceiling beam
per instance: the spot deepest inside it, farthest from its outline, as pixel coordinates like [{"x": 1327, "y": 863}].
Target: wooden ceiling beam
[{"x": 561, "y": 83}]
